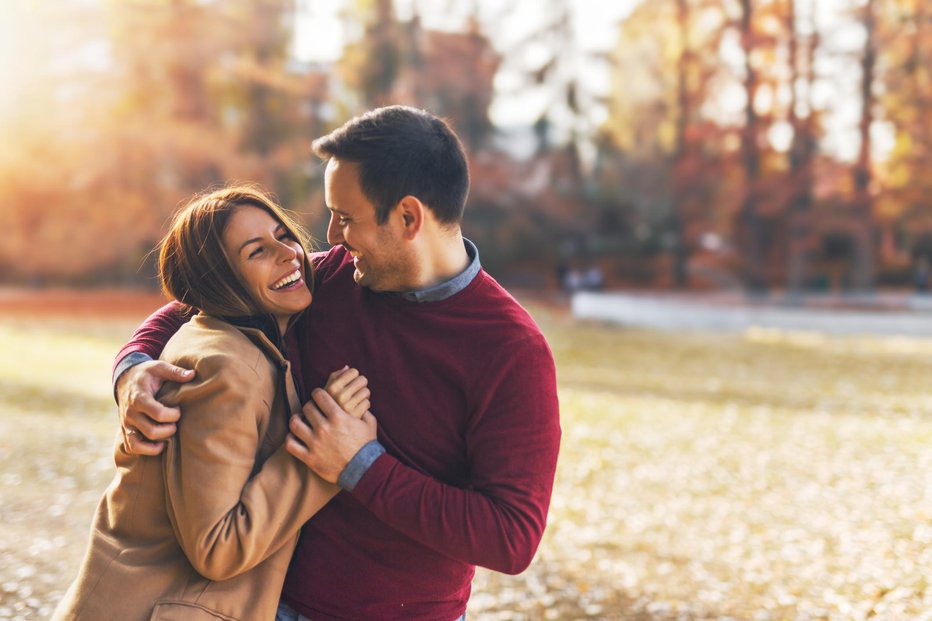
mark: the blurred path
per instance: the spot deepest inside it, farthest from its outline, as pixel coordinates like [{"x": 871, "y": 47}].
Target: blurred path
[{"x": 880, "y": 314}]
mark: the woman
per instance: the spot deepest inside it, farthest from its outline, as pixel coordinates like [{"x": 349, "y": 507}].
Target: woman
[{"x": 205, "y": 530}]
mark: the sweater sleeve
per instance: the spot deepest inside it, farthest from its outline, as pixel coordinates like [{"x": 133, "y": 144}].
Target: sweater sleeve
[
  {"x": 227, "y": 517},
  {"x": 150, "y": 337},
  {"x": 512, "y": 444}
]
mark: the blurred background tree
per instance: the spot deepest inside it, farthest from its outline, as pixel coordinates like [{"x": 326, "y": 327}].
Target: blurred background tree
[{"x": 755, "y": 144}]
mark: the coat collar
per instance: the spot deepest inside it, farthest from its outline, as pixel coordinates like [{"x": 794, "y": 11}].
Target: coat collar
[{"x": 264, "y": 323}]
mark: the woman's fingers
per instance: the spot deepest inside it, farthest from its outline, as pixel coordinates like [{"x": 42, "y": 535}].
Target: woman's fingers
[
  {"x": 347, "y": 392},
  {"x": 340, "y": 378},
  {"x": 348, "y": 388},
  {"x": 357, "y": 404}
]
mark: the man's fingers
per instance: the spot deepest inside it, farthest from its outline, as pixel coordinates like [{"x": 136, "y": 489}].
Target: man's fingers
[
  {"x": 153, "y": 432},
  {"x": 297, "y": 449},
  {"x": 169, "y": 372},
  {"x": 312, "y": 414},
  {"x": 328, "y": 406},
  {"x": 300, "y": 429},
  {"x": 152, "y": 420},
  {"x": 370, "y": 420},
  {"x": 146, "y": 406},
  {"x": 146, "y": 422},
  {"x": 136, "y": 444}
]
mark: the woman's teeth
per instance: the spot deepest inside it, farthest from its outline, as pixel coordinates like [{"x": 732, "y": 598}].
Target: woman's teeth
[{"x": 287, "y": 280}]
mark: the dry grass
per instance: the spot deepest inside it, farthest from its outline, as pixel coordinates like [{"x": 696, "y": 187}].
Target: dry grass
[{"x": 756, "y": 476}]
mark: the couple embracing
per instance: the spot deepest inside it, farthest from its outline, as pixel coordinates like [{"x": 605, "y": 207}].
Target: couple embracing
[{"x": 330, "y": 436}]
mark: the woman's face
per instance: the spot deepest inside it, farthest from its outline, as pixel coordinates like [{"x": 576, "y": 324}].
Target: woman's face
[{"x": 269, "y": 260}]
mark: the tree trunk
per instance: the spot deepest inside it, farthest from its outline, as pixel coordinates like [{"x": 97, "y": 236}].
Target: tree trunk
[
  {"x": 681, "y": 155},
  {"x": 751, "y": 223},
  {"x": 863, "y": 268},
  {"x": 801, "y": 152}
]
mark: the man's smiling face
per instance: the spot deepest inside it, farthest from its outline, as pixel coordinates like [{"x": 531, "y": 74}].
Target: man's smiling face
[{"x": 382, "y": 259}]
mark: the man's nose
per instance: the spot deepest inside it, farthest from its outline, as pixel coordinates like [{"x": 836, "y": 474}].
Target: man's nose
[{"x": 334, "y": 234}]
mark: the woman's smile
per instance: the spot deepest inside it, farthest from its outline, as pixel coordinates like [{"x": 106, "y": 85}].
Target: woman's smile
[{"x": 290, "y": 281}]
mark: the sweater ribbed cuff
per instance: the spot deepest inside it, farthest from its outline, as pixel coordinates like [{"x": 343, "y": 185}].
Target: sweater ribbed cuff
[
  {"x": 359, "y": 464},
  {"x": 124, "y": 365}
]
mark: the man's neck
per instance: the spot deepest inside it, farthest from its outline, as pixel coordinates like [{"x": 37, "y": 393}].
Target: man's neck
[{"x": 443, "y": 259}]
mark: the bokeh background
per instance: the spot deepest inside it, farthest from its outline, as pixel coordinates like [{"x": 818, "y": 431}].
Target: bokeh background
[
  {"x": 766, "y": 144},
  {"x": 719, "y": 211}
]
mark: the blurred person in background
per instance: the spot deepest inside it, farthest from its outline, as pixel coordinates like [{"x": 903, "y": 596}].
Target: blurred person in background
[
  {"x": 206, "y": 529},
  {"x": 921, "y": 274},
  {"x": 463, "y": 384}
]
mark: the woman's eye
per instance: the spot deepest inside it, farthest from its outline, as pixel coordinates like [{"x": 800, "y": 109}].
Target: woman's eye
[
  {"x": 285, "y": 236},
  {"x": 255, "y": 252}
]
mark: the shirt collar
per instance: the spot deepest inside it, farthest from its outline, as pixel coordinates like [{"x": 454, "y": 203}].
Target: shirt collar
[{"x": 449, "y": 288}]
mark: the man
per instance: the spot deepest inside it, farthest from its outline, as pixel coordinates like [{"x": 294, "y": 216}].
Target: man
[{"x": 462, "y": 382}]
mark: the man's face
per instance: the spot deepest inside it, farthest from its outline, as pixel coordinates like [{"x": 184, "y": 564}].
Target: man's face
[{"x": 381, "y": 256}]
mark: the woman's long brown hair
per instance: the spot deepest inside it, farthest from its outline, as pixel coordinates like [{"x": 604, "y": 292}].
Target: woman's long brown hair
[{"x": 193, "y": 266}]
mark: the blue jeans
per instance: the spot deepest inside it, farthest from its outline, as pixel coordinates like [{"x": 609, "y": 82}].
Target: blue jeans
[{"x": 287, "y": 613}]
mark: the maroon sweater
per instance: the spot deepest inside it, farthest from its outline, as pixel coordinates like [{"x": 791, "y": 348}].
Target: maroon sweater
[{"x": 464, "y": 391}]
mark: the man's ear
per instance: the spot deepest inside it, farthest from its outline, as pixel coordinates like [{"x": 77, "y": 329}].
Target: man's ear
[{"x": 412, "y": 212}]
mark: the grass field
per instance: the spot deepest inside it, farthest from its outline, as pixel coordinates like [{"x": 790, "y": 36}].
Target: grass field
[{"x": 756, "y": 476}]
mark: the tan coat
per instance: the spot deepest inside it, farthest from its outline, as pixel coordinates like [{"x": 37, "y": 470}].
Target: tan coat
[{"x": 204, "y": 531}]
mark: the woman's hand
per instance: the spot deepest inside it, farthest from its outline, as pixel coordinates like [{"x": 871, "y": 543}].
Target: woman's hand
[{"x": 350, "y": 390}]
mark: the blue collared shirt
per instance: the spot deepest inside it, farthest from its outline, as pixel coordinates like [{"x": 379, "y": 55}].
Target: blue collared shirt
[{"x": 450, "y": 287}]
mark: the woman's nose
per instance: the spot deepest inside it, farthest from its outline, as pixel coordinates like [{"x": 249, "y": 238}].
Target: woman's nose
[{"x": 286, "y": 252}]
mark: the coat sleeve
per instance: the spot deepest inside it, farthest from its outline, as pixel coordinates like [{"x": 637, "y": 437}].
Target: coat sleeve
[{"x": 227, "y": 516}]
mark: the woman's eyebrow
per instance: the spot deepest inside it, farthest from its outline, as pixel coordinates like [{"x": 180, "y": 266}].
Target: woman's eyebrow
[
  {"x": 278, "y": 229},
  {"x": 249, "y": 241}
]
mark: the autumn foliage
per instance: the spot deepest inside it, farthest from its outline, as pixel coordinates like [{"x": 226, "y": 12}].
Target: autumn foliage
[{"x": 755, "y": 143}]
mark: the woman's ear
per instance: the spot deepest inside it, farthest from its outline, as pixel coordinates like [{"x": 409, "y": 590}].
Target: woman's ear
[{"x": 412, "y": 212}]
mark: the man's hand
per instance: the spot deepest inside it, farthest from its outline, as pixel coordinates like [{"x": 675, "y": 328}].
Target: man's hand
[
  {"x": 350, "y": 390},
  {"x": 330, "y": 437},
  {"x": 145, "y": 422}
]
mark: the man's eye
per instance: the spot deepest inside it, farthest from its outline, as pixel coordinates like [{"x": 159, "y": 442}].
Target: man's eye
[{"x": 343, "y": 220}]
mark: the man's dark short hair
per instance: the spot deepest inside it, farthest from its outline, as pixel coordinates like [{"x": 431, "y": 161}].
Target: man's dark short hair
[{"x": 403, "y": 151}]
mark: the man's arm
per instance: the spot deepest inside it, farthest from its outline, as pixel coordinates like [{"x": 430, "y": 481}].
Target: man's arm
[
  {"x": 511, "y": 443},
  {"x": 150, "y": 337},
  {"x": 137, "y": 377}
]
